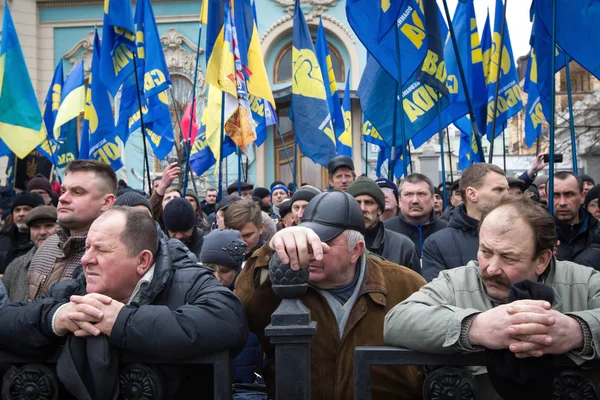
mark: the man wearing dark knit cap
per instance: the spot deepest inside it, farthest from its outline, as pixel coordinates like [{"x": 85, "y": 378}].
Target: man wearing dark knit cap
[
  {"x": 41, "y": 186},
  {"x": 180, "y": 223},
  {"x": 390, "y": 245},
  {"x": 390, "y": 191},
  {"x": 591, "y": 202},
  {"x": 300, "y": 200},
  {"x": 588, "y": 184},
  {"x": 14, "y": 239},
  {"x": 135, "y": 200},
  {"x": 264, "y": 195}
]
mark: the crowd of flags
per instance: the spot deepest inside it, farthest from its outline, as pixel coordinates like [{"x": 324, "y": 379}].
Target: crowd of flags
[{"x": 409, "y": 48}]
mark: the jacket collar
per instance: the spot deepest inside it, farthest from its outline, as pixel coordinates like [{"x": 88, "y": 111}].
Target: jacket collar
[
  {"x": 376, "y": 237},
  {"x": 430, "y": 220},
  {"x": 66, "y": 241},
  {"x": 461, "y": 220}
]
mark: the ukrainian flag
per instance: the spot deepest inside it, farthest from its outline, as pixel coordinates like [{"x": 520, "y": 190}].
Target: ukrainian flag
[
  {"x": 20, "y": 115},
  {"x": 344, "y": 141},
  {"x": 309, "y": 110},
  {"x": 73, "y": 98}
]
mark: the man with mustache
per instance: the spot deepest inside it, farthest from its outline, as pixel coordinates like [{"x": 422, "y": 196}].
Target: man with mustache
[
  {"x": 416, "y": 219},
  {"x": 482, "y": 187},
  {"x": 465, "y": 309},
  {"x": 390, "y": 245}
]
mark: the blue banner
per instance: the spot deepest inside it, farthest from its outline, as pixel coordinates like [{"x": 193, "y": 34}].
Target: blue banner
[{"x": 344, "y": 140}]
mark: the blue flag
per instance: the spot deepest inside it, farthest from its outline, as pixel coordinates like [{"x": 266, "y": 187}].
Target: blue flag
[
  {"x": 385, "y": 154},
  {"x": 309, "y": 111},
  {"x": 10, "y": 170},
  {"x": 344, "y": 140},
  {"x": 333, "y": 98},
  {"x": 118, "y": 44},
  {"x": 98, "y": 120},
  {"x": 422, "y": 92},
  {"x": 201, "y": 157},
  {"x": 468, "y": 152},
  {"x": 374, "y": 21},
  {"x": 370, "y": 134},
  {"x": 49, "y": 148},
  {"x": 84, "y": 146},
  {"x": 263, "y": 116},
  {"x": 67, "y": 148},
  {"x": 577, "y": 30},
  {"x": 509, "y": 95}
]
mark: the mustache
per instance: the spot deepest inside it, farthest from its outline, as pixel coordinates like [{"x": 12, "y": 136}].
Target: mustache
[
  {"x": 369, "y": 217},
  {"x": 501, "y": 280}
]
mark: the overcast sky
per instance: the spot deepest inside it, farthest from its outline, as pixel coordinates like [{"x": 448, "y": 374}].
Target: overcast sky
[{"x": 517, "y": 15}]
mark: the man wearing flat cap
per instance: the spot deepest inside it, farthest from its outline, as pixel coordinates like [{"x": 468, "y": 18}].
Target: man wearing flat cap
[
  {"x": 246, "y": 189},
  {"x": 341, "y": 172},
  {"x": 350, "y": 291},
  {"x": 42, "y": 224},
  {"x": 390, "y": 245},
  {"x": 516, "y": 187}
]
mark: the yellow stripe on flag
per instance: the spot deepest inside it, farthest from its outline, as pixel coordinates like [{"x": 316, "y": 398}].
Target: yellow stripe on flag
[
  {"x": 19, "y": 139},
  {"x": 71, "y": 107}
]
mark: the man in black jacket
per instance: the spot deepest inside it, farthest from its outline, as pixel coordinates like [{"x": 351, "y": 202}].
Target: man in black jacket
[
  {"x": 390, "y": 245},
  {"x": 180, "y": 223},
  {"x": 14, "y": 239},
  {"x": 578, "y": 232},
  {"x": 482, "y": 187},
  {"x": 144, "y": 295},
  {"x": 417, "y": 218}
]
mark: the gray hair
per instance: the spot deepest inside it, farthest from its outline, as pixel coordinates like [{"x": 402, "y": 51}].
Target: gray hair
[{"x": 353, "y": 238}]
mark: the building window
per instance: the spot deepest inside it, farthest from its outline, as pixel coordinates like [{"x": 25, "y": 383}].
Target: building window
[{"x": 283, "y": 64}]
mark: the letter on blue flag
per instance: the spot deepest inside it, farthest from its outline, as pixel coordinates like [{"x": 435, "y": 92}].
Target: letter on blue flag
[{"x": 344, "y": 140}]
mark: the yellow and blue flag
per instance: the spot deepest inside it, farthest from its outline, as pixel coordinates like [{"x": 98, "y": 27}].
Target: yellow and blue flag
[
  {"x": 373, "y": 22},
  {"x": 468, "y": 151},
  {"x": 10, "y": 170},
  {"x": 422, "y": 93},
  {"x": 215, "y": 18},
  {"x": 72, "y": 99},
  {"x": 509, "y": 95},
  {"x": 263, "y": 115},
  {"x": 201, "y": 157},
  {"x": 385, "y": 153},
  {"x": 344, "y": 140},
  {"x": 4, "y": 150},
  {"x": 118, "y": 44},
  {"x": 333, "y": 98},
  {"x": 577, "y": 30},
  {"x": 49, "y": 148},
  {"x": 20, "y": 115},
  {"x": 370, "y": 133},
  {"x": 98, "y": 120},
  {"x": 67, "y": 148},
  {"x": 313, "y": 130}
]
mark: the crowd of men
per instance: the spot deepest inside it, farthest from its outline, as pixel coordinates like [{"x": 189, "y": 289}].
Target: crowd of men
[{"x": 100, "y": 267}]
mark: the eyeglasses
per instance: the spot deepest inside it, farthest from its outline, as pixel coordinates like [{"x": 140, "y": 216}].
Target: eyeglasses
[{"x": 387, "y": 191}]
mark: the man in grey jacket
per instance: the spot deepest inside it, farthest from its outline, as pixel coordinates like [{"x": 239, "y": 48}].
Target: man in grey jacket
[
  {"x": 388, "y": 244},
  {"x": 465, "y": 309}
]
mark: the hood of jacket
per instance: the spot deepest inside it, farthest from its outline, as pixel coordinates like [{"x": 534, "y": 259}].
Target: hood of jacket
[{"x": 460, "y": 220}]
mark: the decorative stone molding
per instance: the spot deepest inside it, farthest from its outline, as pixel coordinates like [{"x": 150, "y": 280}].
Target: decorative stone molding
[
  {"x": 325, "y": 17},
  {"x": 87, "y": 45},
  {"x": 339, "y": 24},
  {"x": 317, "y": 7}
]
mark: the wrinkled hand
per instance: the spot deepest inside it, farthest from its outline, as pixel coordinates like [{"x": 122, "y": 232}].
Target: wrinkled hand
[
  {"x": 537, "y": 165},
  {"x": 533, "y": 340},
  {"x": 95, "y": 314},
  {"x": 293, "y": 245},
  {"x": 495, "y": 329},
  {"x": 168, "y": 176}
]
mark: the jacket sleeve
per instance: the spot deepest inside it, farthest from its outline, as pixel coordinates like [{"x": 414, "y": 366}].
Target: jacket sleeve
[
  {"x": 433, "y": 261},
  {"x": 413, "y": 259},
  {"x": 592, "y": 315},
  {"x": 428, "y": 320},
  {"x": 212, "y": 319},
  {"x": 3, "y": 296},
  {"x": 156, "y": 202},
  {"x": 526, "y": 178},
  {"x": 8, "y": 277}
]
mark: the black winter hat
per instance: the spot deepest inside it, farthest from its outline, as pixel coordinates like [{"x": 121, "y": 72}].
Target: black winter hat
[
  {"x": 364, "y": 185},
  {"x": 338, "y": 162},
  {"x": 233, "y": 188},
  {"x": 587, "y": 178},
  {"x": 285, "y": 208},
  {"x": 386, "y": 183},
  {"x": 261, "y": 192},
  {"x": 331, "y": 213},
  {"x": 228, "y": 200},
  {"x": 592, "y": 194},
  {"x": 223, "y": 247},
  {"x": 179, "y": 215},
  {"x": 306, "y": 192},
  {"x": 132, "y": 198},
  {"x": 27, "y": 199},
  {"x": 39, "y": 181}
]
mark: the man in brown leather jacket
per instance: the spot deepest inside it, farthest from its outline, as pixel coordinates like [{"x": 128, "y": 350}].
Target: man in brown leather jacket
[
  {"x": 350, "y": 291},
  {"x": 87, "y": 190}
]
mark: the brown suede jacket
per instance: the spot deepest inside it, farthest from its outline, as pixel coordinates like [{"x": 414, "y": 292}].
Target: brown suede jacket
[{"x": 332, "y": 377}]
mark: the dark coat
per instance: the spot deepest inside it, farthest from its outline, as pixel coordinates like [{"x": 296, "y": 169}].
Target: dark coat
[
  {"x": 393, "y": 246},
  {"x": 13, "y": 244},
  {"x": 453, "y": 246},
  {"x": 194, "y": 243},
  {"x": 3, "y": 297},
  {"x": 580, "y": 243},
  {"x": 208, "y": 208},
  {"x": 417, "y": 233},
  {"x": 184, "y": 312},
  {"x": 248, "y": 362}
]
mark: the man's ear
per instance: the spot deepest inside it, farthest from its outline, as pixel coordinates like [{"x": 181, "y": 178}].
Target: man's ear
[
  {"x": 357, "y": 251},
  {"x": 262, "y": 225},
  {"x": 145, "y": 261},
  {"x": 542, "y": 262},
  {"x": 471, "y": 194},
  {"x": 108, "y": 201}
]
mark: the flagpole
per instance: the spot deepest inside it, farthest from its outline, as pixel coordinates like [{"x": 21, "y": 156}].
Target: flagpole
[
  {"x": 399, "y": 98},
  {"x": 295, "y": 172},
  {"x": 571, "y": 121},
  {"x": 52, "y": 155},
  {"x": 285, "y": 148},
  {"x": 366, "y": 158},
  {"x": 550, "y": 190},
  {"x": 498, "y": 74},
  {"x": 409, "y": 159},
  {"x": 239, "y": 162},
  {"x": 450, "y": 155},
  {"x": 221, "y": 139},
  {"x": 191, "y": 173},
  {"x": 441, "y": 137},
  {"x": 463, "y": 80},
  {"x": 139, "y": 97},
  {"x": 504, "y": 145}
]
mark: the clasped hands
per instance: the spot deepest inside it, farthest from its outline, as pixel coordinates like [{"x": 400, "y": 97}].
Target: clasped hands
[
  {"x": 88, "y": 315},
  {"x": 528, "y": 328}
]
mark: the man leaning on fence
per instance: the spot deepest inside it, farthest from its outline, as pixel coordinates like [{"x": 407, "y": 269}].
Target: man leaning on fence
[
  {"x": 471, "y": 308},
  {"x": 135, "y": 293},
  {"x": 350, "y": 291}
]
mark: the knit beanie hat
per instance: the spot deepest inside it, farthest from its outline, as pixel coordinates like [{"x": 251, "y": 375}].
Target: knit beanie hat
[
  {"x": 223, "y": 247},
  {"x": 28, "y": 199},
  {"x": 584, "y": 178},
  {"x": 261, "y": 192},
  {"x": 285, "y": 208},
  {"x": 386, "y": 183},
  {"x": 306, "y": 193},
  {"x": 131, "y": 199},
  {"x": 592, "y": 194},
  {"x": 277, "y": 187},
  {"x": 40, "y": 182},
  {"x": 179, "y": 215},
  {"x": 367, "y": 186}
]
